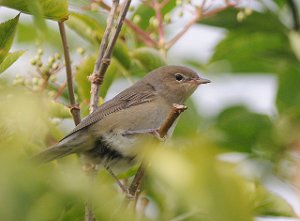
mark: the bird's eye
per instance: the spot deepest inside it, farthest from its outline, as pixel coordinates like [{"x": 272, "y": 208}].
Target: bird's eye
[{"x": 178, "y": 77}]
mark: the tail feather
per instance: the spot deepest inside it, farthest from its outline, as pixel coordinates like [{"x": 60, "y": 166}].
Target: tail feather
[{"x": 53, "y": 153}]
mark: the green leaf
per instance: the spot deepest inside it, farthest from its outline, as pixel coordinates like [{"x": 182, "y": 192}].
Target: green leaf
[
  {"x": 145, "y": 12},
  {"x": 149, "y": 58},
  {"x": 259, "y": 43},
  {"x": 269, "y": 204},
  {"x": 86, "y": 27},
  {"x": 266, "y": 22},
  {"x": 9, "y": 60},
  {"x": 288, "y": 96},
  {"x": 81, "y": 77},
  {"x": 7, "y": 33},
  {"x": 251, "y": 52},
  {"x": 244, "y": 131},
  {"x": 189, "y": 121},
  {"x": 52, "y": 9},
  {"x": 59, "y": 110}
]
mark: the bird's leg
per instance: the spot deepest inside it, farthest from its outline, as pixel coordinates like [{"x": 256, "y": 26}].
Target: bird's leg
[
  {"x": 154, "y": 132},
  {"x": 122, "y": 187}
]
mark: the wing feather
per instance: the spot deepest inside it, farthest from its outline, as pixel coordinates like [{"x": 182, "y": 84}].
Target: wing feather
[{"x": 140, "y": 93}]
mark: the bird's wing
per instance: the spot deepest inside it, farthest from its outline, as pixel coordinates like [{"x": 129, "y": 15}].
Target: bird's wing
[{"x": 127, "y": 98}]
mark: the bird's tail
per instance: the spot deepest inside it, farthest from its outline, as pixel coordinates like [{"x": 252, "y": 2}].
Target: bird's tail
[{"x": 52, "y": 153}]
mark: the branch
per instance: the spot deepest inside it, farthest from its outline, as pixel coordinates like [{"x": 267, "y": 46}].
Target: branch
[
  {"x": 141, "y": 34},
  {"x": 134, "y": 188},
  {"x": 73, "y": 106},
  {"x": 199, "y": 15},
  {"x": 97, "y": 77},
  {"x": 157, "y": 8},
  {"x": 185, "y": 29}
]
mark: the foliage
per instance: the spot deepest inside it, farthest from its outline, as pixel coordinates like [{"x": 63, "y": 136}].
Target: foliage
[{"x": 187, "y": 178}]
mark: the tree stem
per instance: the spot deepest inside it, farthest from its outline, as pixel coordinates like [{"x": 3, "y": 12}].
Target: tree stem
[{"x": 75, "y": 110}]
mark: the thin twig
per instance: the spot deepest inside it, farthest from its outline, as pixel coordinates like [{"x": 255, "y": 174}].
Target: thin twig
[
  {"x": 134, "y": 188},
  {"x": 141, "y": 34},
  {"x": 163, "y": 3},
  {"x": 60, "y": 90},
  {"x": 75, "y": 110},
  {"x": 97, "y": 77},
  {"x": 108, "y": 52},
  {"x": 157, "y": 9},
  {"x": 185, "y": 29},
  {"x": 199, "y": 15},
  {"x": 122, "y": 187}
]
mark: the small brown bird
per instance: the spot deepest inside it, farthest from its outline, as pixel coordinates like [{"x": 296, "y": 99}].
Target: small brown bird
[{"x": 107, "y": 136}]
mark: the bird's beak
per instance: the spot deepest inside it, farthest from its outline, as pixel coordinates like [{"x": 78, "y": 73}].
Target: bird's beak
[{"x": 200, "y": 80}]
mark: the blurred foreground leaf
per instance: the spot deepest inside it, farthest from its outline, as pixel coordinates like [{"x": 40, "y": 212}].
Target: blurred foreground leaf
[
  {"x": 148, "y": 58},
  {"x": 269, "y": 204},
  {"x": 53, "y": 9},
  {"x": 192, "y": 181}
]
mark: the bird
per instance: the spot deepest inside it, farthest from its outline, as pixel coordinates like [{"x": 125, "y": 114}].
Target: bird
[{"x": 108, "y": 135}]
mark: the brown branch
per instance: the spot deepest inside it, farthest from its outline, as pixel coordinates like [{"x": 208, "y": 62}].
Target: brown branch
[
  {"x": 174, "y": 114},
  {"x": 199, "y": 15},
  {"x": 60, "y": 90},
  {"x": 185, "y": 29},
  {"x": 163, "y": 3},
  {"x": 141, "y": 34},
  {"x": 135, "y": 186},
  {"x": 112, "y": 42},
  {"x": 75, "y": 110},
  {"x": 217, "y": 10},
  {"x": 157, "y": 8},
  {"x": 97, "y": 77}
]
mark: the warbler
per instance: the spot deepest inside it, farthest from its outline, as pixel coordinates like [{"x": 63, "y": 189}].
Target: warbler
[{"x": 107, "y": 136}]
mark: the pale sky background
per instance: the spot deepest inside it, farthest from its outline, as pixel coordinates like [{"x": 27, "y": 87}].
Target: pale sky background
[{"x": 256, "y": 91}]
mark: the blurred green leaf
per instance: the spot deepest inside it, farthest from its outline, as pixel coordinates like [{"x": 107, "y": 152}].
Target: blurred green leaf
[
  {"x": 53, "y": 9},
  {"x": 259, "y": 43},
  {"x": 86, "y": 27},
  {"x": 266, "y": 22},
  {"x": 7, "y": 33},
  {"x": 59, "y": 110},
  {"x": 9, "y": 60},
  {"x": 288, "y": 97},
  {"x": 244, "y": 131},
  {"x": 269, "y": 204},
  {"x": 149, "y": 58},
  {"x": 280, "y": 3},
  {"x": 189, "y": 122},
  {"x": 81, "y": 78},
  {"x": 145, "y": 12},
  {"x": 28, "y": 34},
  {"x": 205, "y": 184}
]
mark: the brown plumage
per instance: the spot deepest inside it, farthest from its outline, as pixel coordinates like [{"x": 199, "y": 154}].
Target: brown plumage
[{"x": 108, "y": 134}]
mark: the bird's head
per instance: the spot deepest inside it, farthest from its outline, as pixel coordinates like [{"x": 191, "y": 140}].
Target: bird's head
[{"x": 175, "y": 83}]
